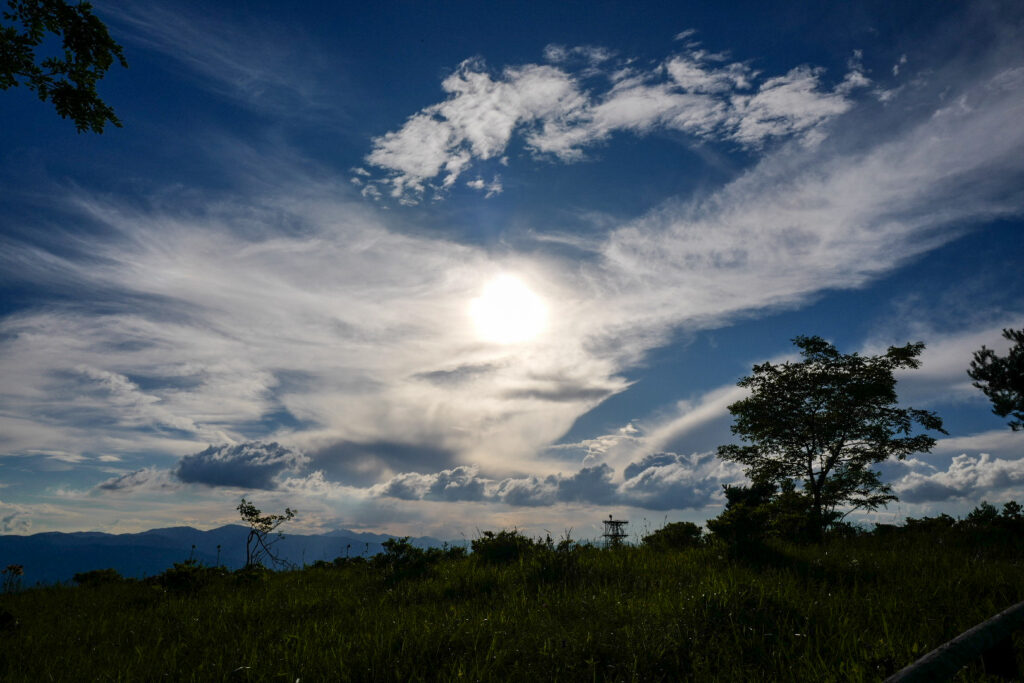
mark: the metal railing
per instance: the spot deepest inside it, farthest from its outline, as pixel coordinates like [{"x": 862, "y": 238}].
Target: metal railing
[{"x": 991, "y": 641}]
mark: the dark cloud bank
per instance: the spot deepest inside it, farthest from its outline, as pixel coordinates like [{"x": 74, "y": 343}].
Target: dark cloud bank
[{"x": 661, "y": 481}]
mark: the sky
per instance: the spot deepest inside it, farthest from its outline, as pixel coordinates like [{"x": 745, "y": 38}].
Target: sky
[{"x": 436, "y": 268}]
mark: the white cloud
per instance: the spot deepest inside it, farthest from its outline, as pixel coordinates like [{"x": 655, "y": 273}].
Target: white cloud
[
  {"x": 590, "y": 54},
  {"x": 899, "y": 63},
  {"x": 476, "y": 121},
  {"x": 942, "y": 377},
  {"x": 14, "y": 519},
  {"x": 787, "y": 105},
  {"x": 967, "y": 477},
  {"x": 141, "y": 480},
  {"x": 136, "y": 406},
  {"x": 998, "y": 442},
  {"x": 803, "y": 221},
  {"x": 670, "y": 481},
  {"x": 702, "y": 96},
  {"x": 663, "y": 481},
  {"x": 260, "y": 65},
  {"x": 203, "y": 321},
  {"x": 339, "y": 327}
]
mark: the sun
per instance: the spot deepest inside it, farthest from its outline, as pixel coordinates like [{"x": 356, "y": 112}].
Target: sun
[{"x": 508, "y": 312}]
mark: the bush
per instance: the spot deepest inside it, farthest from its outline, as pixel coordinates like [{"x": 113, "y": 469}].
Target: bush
[
  {"x": 745, "y": 519},
  {"x": 250, "y": 574},
  {"x": 189, "y": 576},
  {"x": 504, "y": 547},
  {"x": 983, "y": 516},
  {"x": 548, "y": 563},
  {"x": 761, "y": 511},
  {"x": 931, "y": 525},
  {"x": 402, "y": 560},
  {"x": 674, "y": 536},
  {"x": 98, "y": 577}
]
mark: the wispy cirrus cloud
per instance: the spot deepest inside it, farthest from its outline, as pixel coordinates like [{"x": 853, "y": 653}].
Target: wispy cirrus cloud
[
  {"x": 260, "y": 65},
  {"x": 147, "y": 479},
  {"x": 561, "y": 111},
  {"x": 301, "y": 314}
]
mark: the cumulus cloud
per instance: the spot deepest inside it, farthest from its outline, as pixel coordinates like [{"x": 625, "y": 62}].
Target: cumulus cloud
[
  {"x": 697, "y": 93},
  {"x": 967, "y": 477},
  {"x": 670, "y": 481},
  {"x": 460, "y": 483},
  {"x": 662, "y": 481},
  {"x": 252, "y": 465},
  {"x": 247, "y": 465},
  {"x": 476, "y": 121}
]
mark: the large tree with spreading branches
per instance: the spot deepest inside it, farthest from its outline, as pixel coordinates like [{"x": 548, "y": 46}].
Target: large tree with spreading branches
[{"x": 822, "y": 423}]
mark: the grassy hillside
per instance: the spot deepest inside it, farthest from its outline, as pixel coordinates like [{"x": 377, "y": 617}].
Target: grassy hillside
[{"x": 849, "y": 610}]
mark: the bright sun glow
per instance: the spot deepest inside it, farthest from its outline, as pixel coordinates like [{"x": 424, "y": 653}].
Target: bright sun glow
[{"x": 508, "y": 311}]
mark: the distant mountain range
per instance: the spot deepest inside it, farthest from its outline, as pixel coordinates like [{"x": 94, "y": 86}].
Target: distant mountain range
[{"x": 56, "y": 557}]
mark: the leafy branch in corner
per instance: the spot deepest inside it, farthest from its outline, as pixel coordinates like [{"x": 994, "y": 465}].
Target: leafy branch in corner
[
  {"x": 69, "y": 78},
  {"x": 1002, "y": 378}
]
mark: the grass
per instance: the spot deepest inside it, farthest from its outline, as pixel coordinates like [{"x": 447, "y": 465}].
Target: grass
[{"x": 850, "y": 610}]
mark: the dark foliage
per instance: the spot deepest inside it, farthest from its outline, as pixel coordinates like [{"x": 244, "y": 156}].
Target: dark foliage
[
  {"x": 249, "y": 575},
  {"x": 674, "y": 536},
  {"x": 189, "y": 576},
  {"x": 98, "y": 577},
  {"x": 501, "y": 548},
  {"x": 1002, "y": 378},
  {"x": 68, "y": 80},
  {"x": 560, "y": 611},
  {"x": 401, "y": 560},
  {"x": 555, "y": 563},
  {"x": 762, "y": 511},
  {"x": 8, "y": 622},
  {"x": 986, "y": 529}
]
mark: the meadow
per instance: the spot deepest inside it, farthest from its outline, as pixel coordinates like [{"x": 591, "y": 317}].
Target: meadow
[{"x": 848, "y": 609}]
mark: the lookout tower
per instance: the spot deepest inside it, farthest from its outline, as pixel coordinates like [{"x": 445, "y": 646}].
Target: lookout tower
[{"x": 614, "y": 532}]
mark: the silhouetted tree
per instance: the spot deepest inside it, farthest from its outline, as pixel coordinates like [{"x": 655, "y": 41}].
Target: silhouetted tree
[
  {"x": 982, "y": 516},
  {"x": 1002, "y": 378},
  {"x": 69, "y": 80},
  {"x": 823, "y": 422},
  {"x": 259, "y": 544}
]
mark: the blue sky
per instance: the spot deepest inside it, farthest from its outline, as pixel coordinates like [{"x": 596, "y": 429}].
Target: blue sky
[{"x": 433, "y": 268}]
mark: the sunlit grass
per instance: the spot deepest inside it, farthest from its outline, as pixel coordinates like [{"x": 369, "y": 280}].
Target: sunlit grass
[{"x": 854, "y": 610}]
